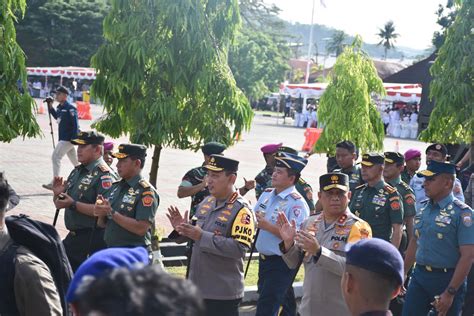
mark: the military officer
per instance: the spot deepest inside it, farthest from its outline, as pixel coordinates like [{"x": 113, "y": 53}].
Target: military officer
[
  {"x": 392, "y": 175},
  {"x": 128, "y": 210},
  {"x": 78, "y": 195},
  {"x": 274, "y": 277},
  {"x": 412, "y": 164},
  {"x": 194, "y": 182},
  {"x": 346, "y": 156},
  {"x": 377, "y": 202},
  {"x": 223, "y": 233},
  {"x": 264, "y": 178},
  {"x": 437, "y": 152},
  {"x": 443, "y": 247},
  {"x": 320, "y": 244}
]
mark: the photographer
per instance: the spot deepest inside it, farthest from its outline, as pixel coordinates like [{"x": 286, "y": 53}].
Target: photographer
[{"x": 66, "y": 115}]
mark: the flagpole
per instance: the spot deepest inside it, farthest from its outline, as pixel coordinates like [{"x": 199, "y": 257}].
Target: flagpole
[{"x": 310, "y": 44}]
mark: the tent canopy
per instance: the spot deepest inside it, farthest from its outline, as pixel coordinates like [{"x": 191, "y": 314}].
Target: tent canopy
[{"x": 65, "y": 72}]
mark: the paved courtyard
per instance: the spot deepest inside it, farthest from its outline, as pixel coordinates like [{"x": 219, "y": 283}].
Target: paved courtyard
[{"x": 27, "y": 164}]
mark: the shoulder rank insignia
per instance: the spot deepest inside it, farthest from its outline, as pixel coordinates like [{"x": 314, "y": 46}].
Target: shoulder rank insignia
[
  {"x": 461, "y": 204},
  {"x": 233, "y": 198},
  {"x": 104, "y": 168},
  {"x": 268, "y": 190},
  {"x": 145, "y": 184},
  {"x": 342, "y": 218},
  {"x": 295, "y": 195},
  {"x": 301, "y": 181},
  {"x": 389, "y": 189}
]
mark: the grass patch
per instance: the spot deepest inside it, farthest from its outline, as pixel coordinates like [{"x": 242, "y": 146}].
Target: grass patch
[{"x": 252, "y": 275}]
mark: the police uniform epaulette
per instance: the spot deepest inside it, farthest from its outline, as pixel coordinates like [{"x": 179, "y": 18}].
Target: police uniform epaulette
[
  {"x": 295, "y": 195},
  {"x": 301, "y": 181},
  {"x": 405, "y": 185},
  {"x": 268, "y": 190},
  {"x": 461, "y": 204},
  {"x": 145, "y": 184},
  {"x": 103, "y": 167},
  {"x": 389, "y": 188},
  {"x": 233, "y": 198}
]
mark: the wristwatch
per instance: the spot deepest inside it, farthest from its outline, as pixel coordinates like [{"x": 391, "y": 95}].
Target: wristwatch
[
  {"x": 451, "y": 290},
  {"x": 111, "y": 214}
]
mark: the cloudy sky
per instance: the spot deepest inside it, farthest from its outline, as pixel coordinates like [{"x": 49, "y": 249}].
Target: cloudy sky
[{"x": 415, "y": 20}]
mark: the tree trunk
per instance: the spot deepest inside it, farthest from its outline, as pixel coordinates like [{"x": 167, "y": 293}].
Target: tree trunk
[{"x": 155, "y": 164}]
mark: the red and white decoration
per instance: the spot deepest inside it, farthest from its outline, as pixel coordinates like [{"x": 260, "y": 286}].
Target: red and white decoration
[
  {"x": 65, "y": 72},
  {"x": 395, "y": 91}
]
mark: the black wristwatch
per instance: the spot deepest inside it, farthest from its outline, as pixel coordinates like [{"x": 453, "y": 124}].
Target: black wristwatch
[{"x": 451, "y": 290}]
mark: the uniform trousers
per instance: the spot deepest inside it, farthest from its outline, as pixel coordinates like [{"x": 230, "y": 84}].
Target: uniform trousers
[
  {"x": 275, "y": 287},
  {"x": 423, "y": 287},
  {"x": 62, "y": 148},
  {"x": 80, "y": 244},
  {"x": 222, "y": 307}
]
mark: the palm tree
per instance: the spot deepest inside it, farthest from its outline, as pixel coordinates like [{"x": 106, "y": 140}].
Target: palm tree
[
  {"x": 336, "y": 44},
  {"x": 387, "y": 37}
]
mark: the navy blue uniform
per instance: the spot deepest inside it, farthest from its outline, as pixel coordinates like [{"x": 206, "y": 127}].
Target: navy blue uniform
[{"x": 66, "y": 115}]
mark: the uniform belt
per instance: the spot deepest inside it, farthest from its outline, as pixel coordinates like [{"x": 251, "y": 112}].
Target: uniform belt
[
  {"x": 432, "y": 269},
  {"x": 265, "y": 257}
]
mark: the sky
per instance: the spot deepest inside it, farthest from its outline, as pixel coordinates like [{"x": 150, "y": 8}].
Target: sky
[{"x": 415, "y": 20}]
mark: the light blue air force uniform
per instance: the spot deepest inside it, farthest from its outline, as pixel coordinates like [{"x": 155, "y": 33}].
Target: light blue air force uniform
[{"x": 288, "y": 201}]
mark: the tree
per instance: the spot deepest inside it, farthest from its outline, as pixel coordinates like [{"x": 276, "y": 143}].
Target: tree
[
  {"x": 259, "y": 55},
  {"x": 62, "y": 33},
  {"x": 445, "y": 19},
  {"x": 16, "y": 108},
  {"x": 387, "y": 37},
  {"x": 452, "y": 119},
  {"x": 163, "y": 75},
  {"x": 336, "y": 44},
  {"x": 346, "y": 109}
]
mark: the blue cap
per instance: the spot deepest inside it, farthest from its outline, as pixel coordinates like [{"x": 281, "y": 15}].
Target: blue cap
[
  {"x": 376, "y": 255},
  {"x": 104, "y": 261},
  {"x": 436, "y": 167},
  {"x": 290, "y": 161}
]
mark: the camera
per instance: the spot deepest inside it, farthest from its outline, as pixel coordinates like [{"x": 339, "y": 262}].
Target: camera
[{"x": 48, "y": 100}]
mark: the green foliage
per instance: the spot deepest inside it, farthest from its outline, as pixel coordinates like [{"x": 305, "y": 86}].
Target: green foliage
[
  {"x": 452, "y": 88},
  {"x": 258, "y": 63},
  {"x": 259, "y": 55},
  {"x": 16, "y": 109},
  {"x": 387, "y": 36},
  {"x": 445, "y": 19},
  {"x": 346, "y": 109},
  {"x": 62, "y": 33},
  {"x": 163, "y": 75},
  {"x": 336, "y": 44}
]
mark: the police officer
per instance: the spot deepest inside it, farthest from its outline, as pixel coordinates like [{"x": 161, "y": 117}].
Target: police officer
[
  {"x": 377, "y": 202},
  {"x": 264, "y": 179},
  {"x": 320, "y": 244},
  {"x": 222, "y": 236},
  {"x": 274, "y": 277},
  {"x": 66, "y": 115},
  {"x": 78, "y": 196},
  {"x": 392, "y": 175},
  {"x": 373, "y": 276},
  {"x": 346, "y": 156},
  {"x": 437, "y": 152},
  {"x": 412, "y": 164},
  {"x": 443, "y": 247},
  {"x": 194, "y": 182},
  {"x": 128, "y": 211}
]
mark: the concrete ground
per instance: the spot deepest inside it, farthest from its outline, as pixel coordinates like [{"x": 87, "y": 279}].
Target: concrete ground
[{"x": 27, "y": 164}]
